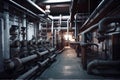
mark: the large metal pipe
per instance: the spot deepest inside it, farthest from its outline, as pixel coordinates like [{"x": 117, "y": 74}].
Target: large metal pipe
[
  {"x": 40, "y": 9},
  {"x": 6, "y": 32},
  {"x": 16, "y": 62},
  {"x": 36, "y": 6},
  {"x": 20, "y": 6},
  {"x": 102, "y": 10},
  {"x": 25, "y": 75},
  {"x": 102, "y": 63},
  {"x": 99, "y": 7},
  {"x": 105, "y": 22},
  {"x": 33, "y": 70},
  {"x": 52, "y": 32}
]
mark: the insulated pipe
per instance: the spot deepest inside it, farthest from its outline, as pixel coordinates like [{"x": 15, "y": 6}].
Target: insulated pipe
[
  {"x": 105, "y": 22},
  {"x": 101, "y": 63}
]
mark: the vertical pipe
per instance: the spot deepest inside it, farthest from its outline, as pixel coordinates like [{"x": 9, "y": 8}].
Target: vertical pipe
[
  {"x": 52, "y": 33},
  {"x": 25, "y": 24},
  {"x": 68, "y": 30},
  {"x": 1, "y": 44},
  {"x": 55, "y": 37},
  {"x": 6, "y": 32},
  {"x": 76, "y": 27}
]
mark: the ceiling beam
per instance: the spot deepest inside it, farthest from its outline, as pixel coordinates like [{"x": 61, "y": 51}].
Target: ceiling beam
[{"x": 55, "y": 1}]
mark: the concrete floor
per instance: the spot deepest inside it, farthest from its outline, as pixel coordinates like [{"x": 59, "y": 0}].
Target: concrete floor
[{"x": 67, "y": 66}]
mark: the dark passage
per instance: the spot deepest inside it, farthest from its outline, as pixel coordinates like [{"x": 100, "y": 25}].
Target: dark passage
[{"x": 67, "y": 66}]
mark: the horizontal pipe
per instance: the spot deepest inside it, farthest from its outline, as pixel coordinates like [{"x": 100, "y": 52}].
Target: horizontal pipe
[
  {"x": 29, "y": 58},
  {"x": 40, "y": 9},
  {"x": 95, "y": 26},
  {"x": 44, "y": 62},
  {"x": 52, "y": 57},
  {"x": 25, "y": 75},
  {"x": 29, "y": 72},
  {"x": 23, "y": 8},
  {"x": 99, "y": 7},
  {"x": 36, "y": 6},
  {"x": 100, "y": 12},
  {"x": 101, "y": 63},
  {"x": 17, "y": 61}
]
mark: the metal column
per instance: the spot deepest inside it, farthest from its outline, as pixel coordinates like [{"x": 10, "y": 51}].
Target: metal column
[
  {"x": 76, "y": 29},
  {"x": 6, "y": 32}
]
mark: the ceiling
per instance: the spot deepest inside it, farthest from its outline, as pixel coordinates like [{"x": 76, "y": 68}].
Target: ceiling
[
  {"x": 57, "y": 7},
  {"x": 63, "y": 7}
]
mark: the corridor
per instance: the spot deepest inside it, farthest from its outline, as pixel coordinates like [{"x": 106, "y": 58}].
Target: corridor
[{"x": 67, "y": 66}]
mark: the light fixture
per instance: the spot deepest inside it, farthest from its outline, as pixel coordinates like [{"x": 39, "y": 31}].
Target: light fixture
[{"x": 47, "y": 10}]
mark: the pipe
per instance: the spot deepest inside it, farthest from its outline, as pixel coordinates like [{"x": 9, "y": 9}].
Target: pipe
[
  {"x": 36, "y": 6},
  {"x": 44, "y": 62},
  {"x": 40, "y": 9},
  {"x": 99, "y": 7},
  {"x": 29, "y": 58},
  {"x": 52, "y": 57},
  {"x": 52, "y": 29},
  {"x": 101, "y": 63},
  {"x": 25, "y": 75},
  {"x": 76, "y": 33},
  {"x": 23, "y": 8},
  {"x": 95, "y": 26},
  {"x": 31, "y": 71},
  {"x": 106, "y": 21},
  {"x": 6, "y": 33},
  {"x": 68, "y": 30},
  {"x": 100, "y": 12},
  {"x": 16, "y": 62}
]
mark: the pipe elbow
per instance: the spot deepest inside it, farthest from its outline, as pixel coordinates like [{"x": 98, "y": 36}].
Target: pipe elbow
[{"x": 105, "y": 22}]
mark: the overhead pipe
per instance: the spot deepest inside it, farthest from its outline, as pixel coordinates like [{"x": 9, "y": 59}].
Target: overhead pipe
[
  {"x": 105, "y": 22},
  {"x": 98, "y": 13},
  {"x": 102, "y": 63},
  {"x": 99, "y": 7},
  {"x": 63, "y": 17},
  {"x": 40, "y": 9},
  {"x": 20, "y": 6},
  {"x": 32, "y": 3},
  {"x": 32, "y": 13}
]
